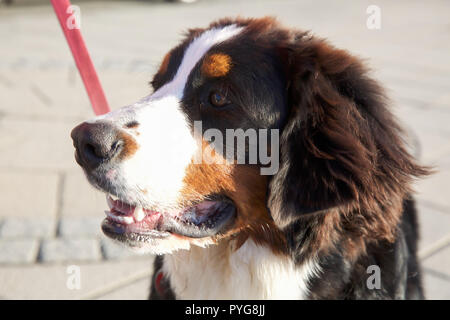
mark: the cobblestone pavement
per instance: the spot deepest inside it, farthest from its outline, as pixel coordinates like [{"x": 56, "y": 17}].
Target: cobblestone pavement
[{"x": 50, "y": 216}]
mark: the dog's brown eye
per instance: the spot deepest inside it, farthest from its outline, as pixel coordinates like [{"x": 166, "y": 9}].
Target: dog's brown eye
[{"x": 218, "y": 100}]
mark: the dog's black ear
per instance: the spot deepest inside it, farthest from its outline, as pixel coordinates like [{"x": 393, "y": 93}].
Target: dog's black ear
[{"x": 339, "y": 140}]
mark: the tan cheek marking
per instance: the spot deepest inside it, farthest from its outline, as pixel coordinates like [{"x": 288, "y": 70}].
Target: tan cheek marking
[
  {"x": 216, "y": 65},
  {"x": 206, "y": 178},
  {"x": 254, "y": 219},
  {"x": 130, "y": 146},
  {"x": 246, "y": 187}
]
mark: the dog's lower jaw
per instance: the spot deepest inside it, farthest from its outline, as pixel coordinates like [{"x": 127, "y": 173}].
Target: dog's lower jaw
[
  {"x": 166, "y": 246},
  {"x": 250, "y": 272}
]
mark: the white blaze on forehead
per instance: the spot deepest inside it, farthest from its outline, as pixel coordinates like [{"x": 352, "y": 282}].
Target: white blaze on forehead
[
  {"x": 166, "y": 145},
  {"x": 195, "y": 51}
]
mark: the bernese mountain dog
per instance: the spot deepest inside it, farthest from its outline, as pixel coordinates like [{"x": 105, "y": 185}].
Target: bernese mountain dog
[{"x": 336, "y": 207}]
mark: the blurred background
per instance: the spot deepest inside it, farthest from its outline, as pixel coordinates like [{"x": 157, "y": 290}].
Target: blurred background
[{"x": 50, "y": 216}]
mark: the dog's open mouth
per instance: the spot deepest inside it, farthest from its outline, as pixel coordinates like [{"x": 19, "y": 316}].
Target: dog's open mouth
[{"x": 126, "y": 222}]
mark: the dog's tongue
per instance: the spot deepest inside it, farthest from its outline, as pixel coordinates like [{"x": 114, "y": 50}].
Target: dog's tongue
[
  {"x": 128, "y": 211},
  {"x": 124, "y": 212}
]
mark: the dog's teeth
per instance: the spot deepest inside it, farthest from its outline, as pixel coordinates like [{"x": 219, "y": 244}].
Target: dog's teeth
[
  {"x": 128, "y": 220},
  {"x": 109, "y": 201},
  {"x": 110, "y": 215},
  {"x": 113, "y": 197},
  {"x": 139, "y": 214},
  {"x": 125, "y": 220}
]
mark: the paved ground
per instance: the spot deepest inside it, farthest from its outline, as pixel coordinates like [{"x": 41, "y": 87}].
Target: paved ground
[{"x": 49, "y": 218}]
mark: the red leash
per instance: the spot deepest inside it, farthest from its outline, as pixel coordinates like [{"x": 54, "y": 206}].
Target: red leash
[{"x": 81, "y": 56}]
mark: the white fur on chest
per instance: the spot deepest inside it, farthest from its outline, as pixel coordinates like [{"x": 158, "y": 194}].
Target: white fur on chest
[{"x": 251, "y": 272}]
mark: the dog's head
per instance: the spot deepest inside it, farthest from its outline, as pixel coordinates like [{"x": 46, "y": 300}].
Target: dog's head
[{"x": 170, "y": 181}]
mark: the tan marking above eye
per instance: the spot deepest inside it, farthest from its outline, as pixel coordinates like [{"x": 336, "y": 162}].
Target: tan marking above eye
[{"x": 216, "y": 65}]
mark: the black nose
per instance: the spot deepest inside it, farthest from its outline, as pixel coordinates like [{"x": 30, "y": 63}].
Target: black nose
[{"x": 95, "y": 144}]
